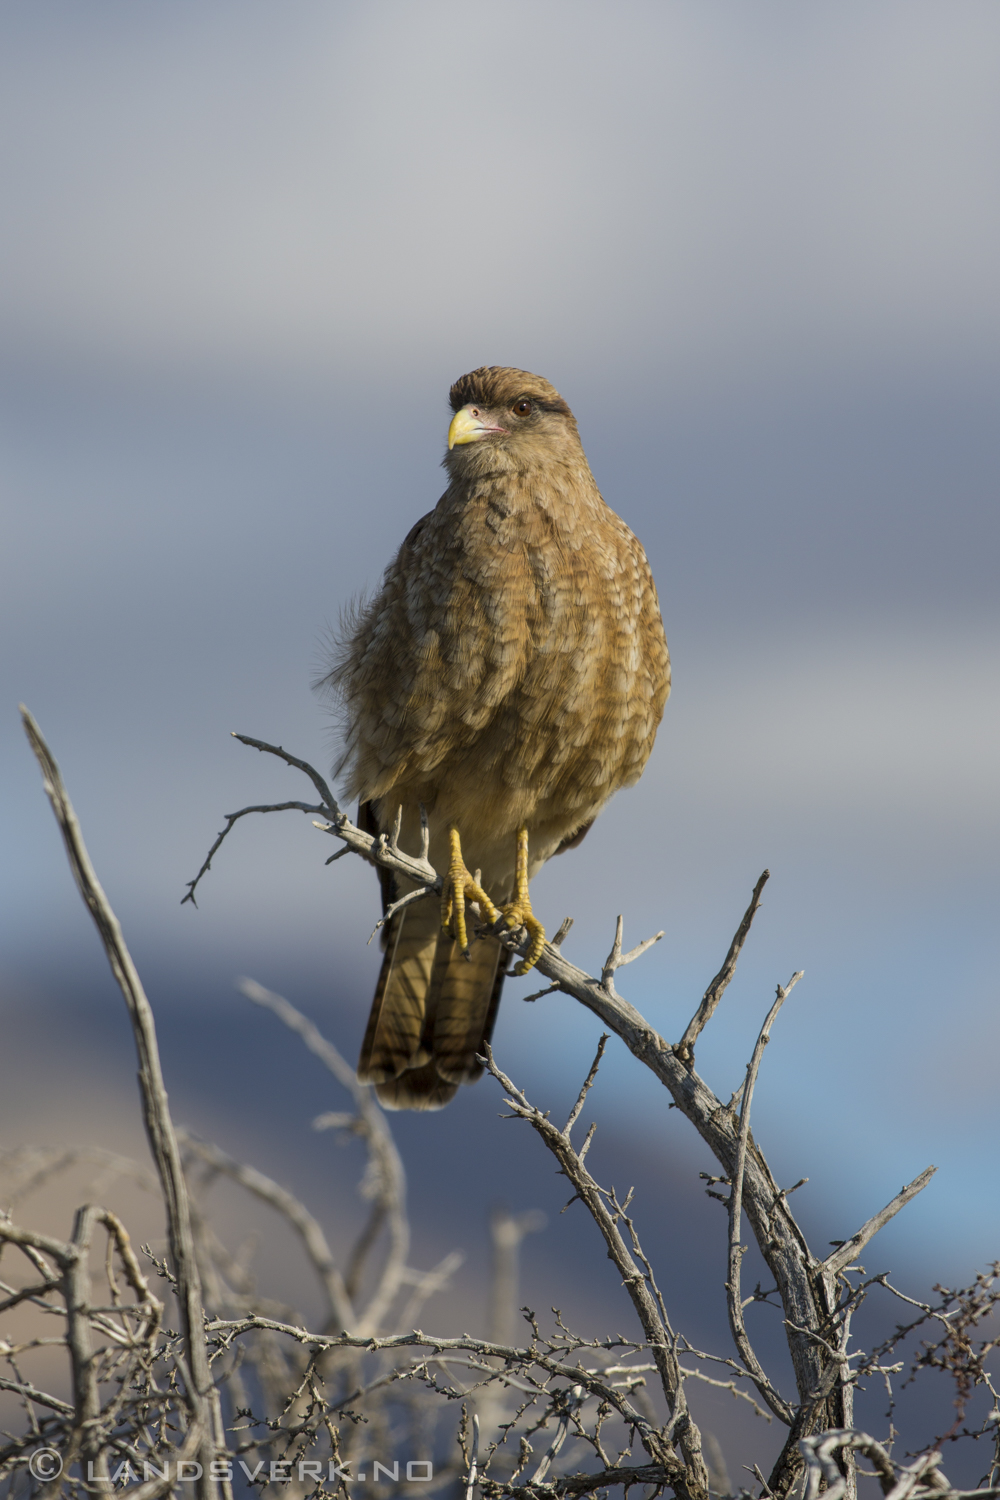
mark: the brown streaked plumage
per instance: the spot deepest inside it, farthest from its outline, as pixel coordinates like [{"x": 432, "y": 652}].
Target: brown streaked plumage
[{"x": 510, "y": 674}]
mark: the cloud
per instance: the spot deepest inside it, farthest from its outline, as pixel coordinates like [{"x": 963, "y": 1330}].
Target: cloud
[
  {"x": 673, "y": 187},
  {"x": 875, "y": 727}
]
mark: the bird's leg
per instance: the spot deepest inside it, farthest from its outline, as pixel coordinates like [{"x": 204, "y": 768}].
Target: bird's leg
[
  {"x": 458, "y": 888},
  {"x": 518, "y": 913}
]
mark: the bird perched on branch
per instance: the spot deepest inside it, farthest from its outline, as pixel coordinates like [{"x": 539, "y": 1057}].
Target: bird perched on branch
[{"x": 508, "y": 677}]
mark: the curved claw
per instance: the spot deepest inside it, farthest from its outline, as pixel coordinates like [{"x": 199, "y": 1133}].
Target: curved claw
[
  {"x": 459, "y": 887},
  {"x": 519, "y": 913},
  {"x": 515, "y": 917}
]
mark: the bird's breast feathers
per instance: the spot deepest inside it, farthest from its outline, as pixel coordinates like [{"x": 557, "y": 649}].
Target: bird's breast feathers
[{"x": 512, "y": 637}]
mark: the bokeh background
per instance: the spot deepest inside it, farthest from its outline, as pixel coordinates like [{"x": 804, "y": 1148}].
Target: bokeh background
[{"x": 246, "y": 249}]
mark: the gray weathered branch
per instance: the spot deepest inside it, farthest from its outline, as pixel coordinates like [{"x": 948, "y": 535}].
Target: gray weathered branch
[
  {"x": 156, "y": 1110},
  {"x": 807, "y": 1293},
  {"x": 841, "y": 1258},
  {"x": 656, "y": 1330},
  {"x": 340, "y": 1313},
  {"x": 777, "y": 1403},
  {"x": 715, "y": 991},
  {"x": 386, "y": 1179}
]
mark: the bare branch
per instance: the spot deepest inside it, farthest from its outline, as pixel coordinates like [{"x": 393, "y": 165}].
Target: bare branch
[
  {"x": 685, "y": 1047},
  {"x": 34, "y": 1166},
  {"x": 317, "y": 1044},
  {"x": 31, "y": 1393},
  {"x": 656, "y": 1330},
  {"x": 231, "y": 820},
  {"x": 776, "y": 1402},
  {"x": 156, "y": 1110},
  {"x": 617, "y": 960},
  {"x": 427, "y": 1283},
  {"x": 380, "y": 850},
  {"x": 395, "y": 906},
  {"x": 30, "y": 1294},
  {"x": 550, "y": 989},
  {"x": 229, "y": 1329},
  {"x": 28, "y": 1240},
  {"x": 781, "y": 1241},
  {"x": 340, "y": 1313},
  {"x": 845, "y": 1253},
  {"x": 562, "y": 932},
  {"x": 474, "y": 1460},
  {"x": 319, "y": 782},
  {"x": 377, "y": 850},
  {"x": 727, "y": 1385},
  {"x": 920, "y": 1478},
  {"x": 572, "y": 1402},
  {"x": 574, "y": 1113},
  {"x": 388, "y": 1178},
  {"x": 804, "y": 1296},
  {"x": 821, "y": 1466},
  {"x": 288, "y": 1366},
  {"x": 84, "y": 1439}
]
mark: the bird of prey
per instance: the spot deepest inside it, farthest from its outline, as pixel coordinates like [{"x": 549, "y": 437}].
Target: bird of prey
[{"x": 508, "y": 677}]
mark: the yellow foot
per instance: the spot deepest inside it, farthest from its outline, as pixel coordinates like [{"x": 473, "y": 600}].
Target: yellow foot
[
  {"x": 458, "y": 888},
  {"x": 518, "y": 913}
]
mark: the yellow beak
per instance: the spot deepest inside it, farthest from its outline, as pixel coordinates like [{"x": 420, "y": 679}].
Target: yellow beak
[{"x": 467, "y": 426}]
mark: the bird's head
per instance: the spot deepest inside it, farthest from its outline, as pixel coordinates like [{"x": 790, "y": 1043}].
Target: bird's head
[{"x": 508, "y": 421}]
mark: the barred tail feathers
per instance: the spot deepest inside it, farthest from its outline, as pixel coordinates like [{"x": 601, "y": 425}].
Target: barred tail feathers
[{"x": 433, "y": 1009}]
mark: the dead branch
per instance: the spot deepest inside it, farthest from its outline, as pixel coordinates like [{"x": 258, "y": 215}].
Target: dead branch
[
  {"x": 156, "y": 1110},
  {"x": 777, "y": 1403},
  {"x": 685, "y": 1047},
  {"x": 386, "y": 1181},
  {"x": 231, "y": 820},
  {"x": 34, "y": 1166},
  {"x": 340, "y": 1313},
  {"x": 841, "y": 1258},
  {"x": 807, "y": 1295},
  {"x": 656, "y": 1329},
  {"x": 617, "y": 960},
  {"x": 137, "y": 1401}
]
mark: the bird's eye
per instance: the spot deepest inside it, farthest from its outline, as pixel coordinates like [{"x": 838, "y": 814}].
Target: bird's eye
[{"x": 522, "y": 408}]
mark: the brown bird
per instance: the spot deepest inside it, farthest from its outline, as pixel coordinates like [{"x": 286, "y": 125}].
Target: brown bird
[{"x": 508, "y": 676}]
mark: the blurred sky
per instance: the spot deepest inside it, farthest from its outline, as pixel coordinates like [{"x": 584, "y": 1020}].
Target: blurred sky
[{"x": 247, "y": 247}]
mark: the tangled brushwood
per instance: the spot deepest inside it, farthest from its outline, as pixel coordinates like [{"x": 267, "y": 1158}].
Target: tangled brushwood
[{"x": 182, "y": 1379}]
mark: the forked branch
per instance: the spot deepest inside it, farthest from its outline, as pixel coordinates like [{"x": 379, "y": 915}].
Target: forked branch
[
  {"x": 156, "y": 1110},
  {"x": 638, "y": 1282},
  {"x": 804, "y": 1290},
  {"x": 175, "y": 1413}
]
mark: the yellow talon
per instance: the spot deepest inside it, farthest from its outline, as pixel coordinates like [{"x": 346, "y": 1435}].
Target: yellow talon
[
  {"x": 518, "y": 912},
  {"x": 458, "y": 888}
]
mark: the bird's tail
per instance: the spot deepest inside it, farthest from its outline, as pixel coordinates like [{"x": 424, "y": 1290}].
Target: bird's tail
[{"x": 433, "y": 1010}]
